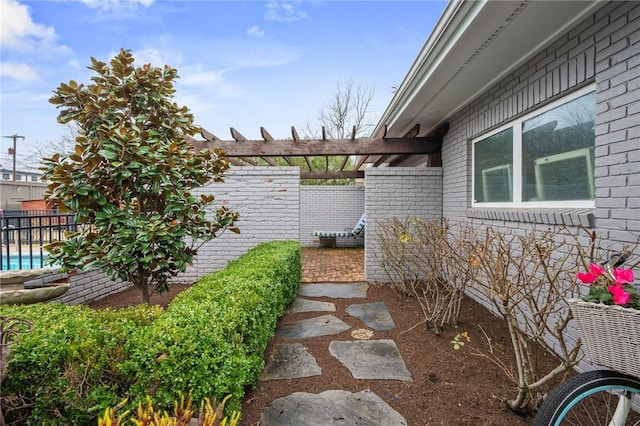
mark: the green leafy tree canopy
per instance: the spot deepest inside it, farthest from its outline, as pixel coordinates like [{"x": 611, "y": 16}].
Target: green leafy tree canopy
[{"x": 130, "y": 176}]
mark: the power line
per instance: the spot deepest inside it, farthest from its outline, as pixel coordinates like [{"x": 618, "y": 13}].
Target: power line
[{"x": 12, "y": 151}]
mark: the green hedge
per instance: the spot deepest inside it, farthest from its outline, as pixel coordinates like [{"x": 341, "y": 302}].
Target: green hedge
[
  {"x": 67, "y": 367},
  {"x": 210, "y": 341},
  {"x": 212, "y": 338}
]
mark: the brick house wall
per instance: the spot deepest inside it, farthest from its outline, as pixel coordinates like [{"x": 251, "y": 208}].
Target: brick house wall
[
  {"x": 330, "y": 208},
  {"x": 604, "y": 51}
]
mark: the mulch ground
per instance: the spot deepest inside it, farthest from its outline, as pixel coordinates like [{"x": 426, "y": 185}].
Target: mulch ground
[{"x": 450, "y": 387}]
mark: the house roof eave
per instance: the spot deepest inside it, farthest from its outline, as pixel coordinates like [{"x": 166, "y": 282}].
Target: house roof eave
[{"x": 474, "y": 45}]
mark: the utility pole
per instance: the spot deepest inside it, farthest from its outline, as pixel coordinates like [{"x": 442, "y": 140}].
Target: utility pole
[{"x": 13, "y": 151}]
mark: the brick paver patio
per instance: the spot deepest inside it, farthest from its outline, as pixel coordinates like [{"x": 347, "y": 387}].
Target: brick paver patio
[{"x": 332, "y": 265}]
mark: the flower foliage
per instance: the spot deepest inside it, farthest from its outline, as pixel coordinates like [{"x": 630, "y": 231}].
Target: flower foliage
[{"x": 611, "y": 286}]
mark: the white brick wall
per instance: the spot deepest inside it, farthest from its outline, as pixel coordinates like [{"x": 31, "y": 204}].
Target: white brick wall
[
  {"x": 397, "y": 192},
  {"x": 330, "y": 208},
  {"x": 268, "y": 199},
  {"x": 87, "y": 286}
]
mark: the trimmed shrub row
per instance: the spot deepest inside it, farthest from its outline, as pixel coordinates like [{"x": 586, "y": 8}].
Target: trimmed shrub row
[
  {"x": 210, "y": 341},
  {"x": 65, "y": 371}
]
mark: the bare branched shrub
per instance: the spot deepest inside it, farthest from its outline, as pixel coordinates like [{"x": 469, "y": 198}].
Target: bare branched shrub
[
  {"x": 415, "y": 255},
  {"x": 528, "y": 278},
  {"x": 393, "y": 255}
]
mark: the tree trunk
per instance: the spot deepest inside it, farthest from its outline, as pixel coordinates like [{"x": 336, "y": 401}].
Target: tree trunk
[
  {"x": 141, "y": 282},
  {"x": 145, "y": 297}
]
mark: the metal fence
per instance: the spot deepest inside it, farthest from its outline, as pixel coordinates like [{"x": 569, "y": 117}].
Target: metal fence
[{"x": 24, "y": 233}]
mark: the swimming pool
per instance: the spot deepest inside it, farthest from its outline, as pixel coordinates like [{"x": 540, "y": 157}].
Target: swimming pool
[{"x": 26, "y": 262}]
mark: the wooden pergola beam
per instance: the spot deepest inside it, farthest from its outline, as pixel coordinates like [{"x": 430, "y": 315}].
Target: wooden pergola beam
[
  {"x": 236, "y": 161},
  {"x": 315, "y": 147},
  {"x": 288, "y": 160},
  {"x": 268, "y": 161},
  {"x": 413, "y": 132},
  {"x": 399, "y": 159},
  {"x": 208, "y": 135},
  {"x": 361, "y": 161},
  {"x": 241, "y": 161},
  {"x": 294, "y": 134},
  {"x": 381, "y": 160},
  {"x": 344, "y": 162},
  {"x": 265, "y": 135},
  {"x": 241, "y": 151},
  {"x": 237, "y": 135}
]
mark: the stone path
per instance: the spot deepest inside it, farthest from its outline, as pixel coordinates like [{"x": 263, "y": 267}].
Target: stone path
[{"x": 365, "y": 359}]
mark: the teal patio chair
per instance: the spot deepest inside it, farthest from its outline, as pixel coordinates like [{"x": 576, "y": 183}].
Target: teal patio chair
[{"x": 328, "y": 238}]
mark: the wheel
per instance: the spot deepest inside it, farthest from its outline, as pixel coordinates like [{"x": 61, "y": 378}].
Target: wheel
[{"x": 593, "y": 398}]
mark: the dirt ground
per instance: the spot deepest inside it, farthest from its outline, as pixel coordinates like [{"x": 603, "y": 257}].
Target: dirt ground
[{"x": 450, "y": 387}]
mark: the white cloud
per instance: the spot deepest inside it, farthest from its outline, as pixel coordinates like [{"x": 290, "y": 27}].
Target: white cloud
[
  {"x": 17, "y": 29},
  {"x": 156, "y": 57},
  {"x": 199, "y": 77},
  {"x": 75, "y": 64},
  {"x": 284, "y": 11},
  {"x": 202, "y": 85},
  {"x": 116, "y": 5},
  {"x": 255, "y": 31},
  {"x": 18, "y": 71}
]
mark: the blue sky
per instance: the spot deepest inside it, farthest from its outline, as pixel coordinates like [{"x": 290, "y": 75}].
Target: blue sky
[{"x": 242, "y": 64}]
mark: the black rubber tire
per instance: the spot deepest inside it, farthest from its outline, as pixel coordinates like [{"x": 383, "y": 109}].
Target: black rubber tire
[{"x": 576, "y": 389}]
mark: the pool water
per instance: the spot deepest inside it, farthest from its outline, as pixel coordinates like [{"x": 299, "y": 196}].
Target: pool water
[{"x": 14, "y": 262}]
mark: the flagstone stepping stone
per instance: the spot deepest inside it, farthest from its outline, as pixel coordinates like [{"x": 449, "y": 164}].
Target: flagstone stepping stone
[
  {"x": 290, "y": 361},
  {"x": 374, "y": 315},
  {"x": 305, "y": 305},
  {"x": 371, "y": 359},
  {"x": 336, "y": 291},
  {"x": 332, "y": 407},
  {"x": 312, "y": 327}
]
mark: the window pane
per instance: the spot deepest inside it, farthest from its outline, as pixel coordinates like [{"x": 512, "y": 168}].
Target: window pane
[
  {"x": 557, "y": 152},
  {"x": 493, "y": 168}
]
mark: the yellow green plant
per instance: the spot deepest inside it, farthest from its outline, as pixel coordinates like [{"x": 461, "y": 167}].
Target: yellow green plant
[
  {"x": 458, "y": 340},
  {"x": 211, "y": 414}
]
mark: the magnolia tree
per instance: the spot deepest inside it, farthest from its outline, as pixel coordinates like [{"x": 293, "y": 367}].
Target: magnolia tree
[{"x": 130, "y": 177}]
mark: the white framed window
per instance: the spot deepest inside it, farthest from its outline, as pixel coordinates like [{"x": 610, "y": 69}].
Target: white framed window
[{"x": 542, "y": 159}]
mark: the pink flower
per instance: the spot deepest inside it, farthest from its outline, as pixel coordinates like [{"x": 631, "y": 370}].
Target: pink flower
[
  {"x": 623, "y": 276},
  {"x": 587, "y": 277},
  {"x": 620, "y": 297},
  {"x": 596, "y": 269}
]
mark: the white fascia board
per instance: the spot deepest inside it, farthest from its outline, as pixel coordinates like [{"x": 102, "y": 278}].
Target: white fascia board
[{"x": 593, "y": 5}]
